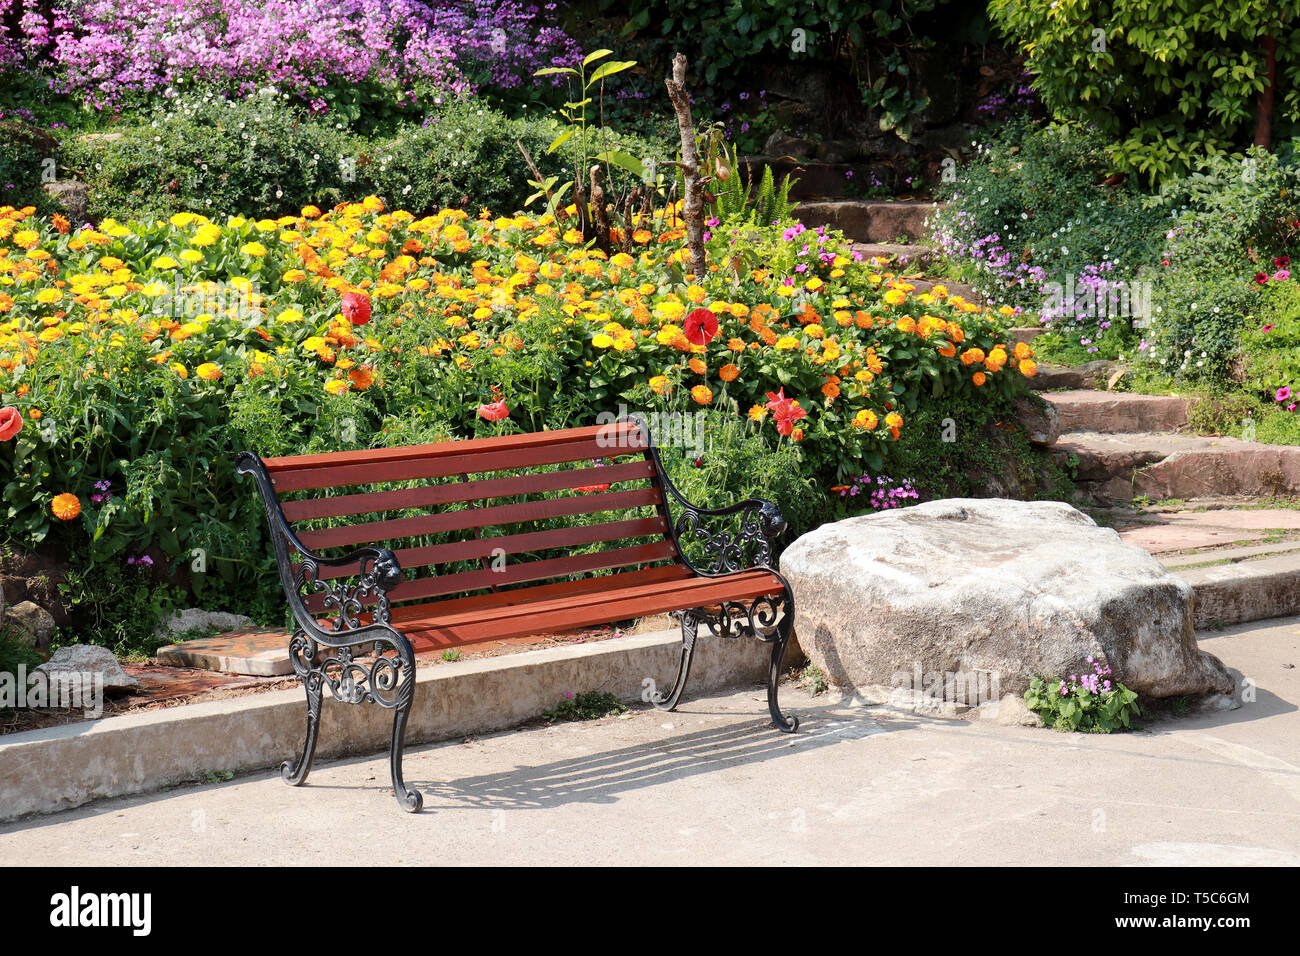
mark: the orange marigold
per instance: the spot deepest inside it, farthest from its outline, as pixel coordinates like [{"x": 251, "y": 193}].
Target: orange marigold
[
  {"x": 66, "y": 506},
  {"x": 702, "y": 394},
  {"x": 729, "y": 372}
]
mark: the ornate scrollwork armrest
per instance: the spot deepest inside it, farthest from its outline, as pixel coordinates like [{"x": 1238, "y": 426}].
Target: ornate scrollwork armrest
[
  {"x": 749, "y": 545},
  {"x": 378, "y": 573}
]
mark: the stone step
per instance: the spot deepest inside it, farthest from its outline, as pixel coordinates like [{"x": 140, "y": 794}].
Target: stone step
[
  {"x": 1112, "y": 467},
  {"x": 1086, "y": 410},
  {"x": 830, "y": 177},
  {"x": 1231, "y": 555},
  {"x": 1092, "y": 375},
  {"x": 1026, "y": 335},
  {"x": 1244, "y": 591},
  {"x": 873, "y": 221},
  {"x": 900, "y": 256}
]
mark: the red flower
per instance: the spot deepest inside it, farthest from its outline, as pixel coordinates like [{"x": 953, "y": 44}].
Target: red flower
[
  {"x": 784, "y": 411},
  {"x": 11, "y": 423},
  {"x": 356, "y": 308},
  {"x": 1261, "y": 278},
  {"x": 1282, "y": 261},
  {"x": 701, "y": 326},
  {"x": 785, "y": 421},
  {"x": 589, "y": 489},
  {"x": 493, "y": 411}
]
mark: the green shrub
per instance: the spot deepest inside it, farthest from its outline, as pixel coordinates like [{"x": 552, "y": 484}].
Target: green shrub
[
  {"x": 27, "y": 153},
  {"x": 592, "y": 705},
  {"x": 1167, "y": 82},
  {"x": 262, "y": 156},
  {"x": 1032, "y": 208},
  {"x": 1270, "y": 341},
  {"x": 1099, "y": 708},
  {"x": 1196, "y": 320}
]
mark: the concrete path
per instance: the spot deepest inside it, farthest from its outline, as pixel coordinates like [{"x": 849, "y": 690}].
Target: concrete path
[{"x": 713, "y": 784}]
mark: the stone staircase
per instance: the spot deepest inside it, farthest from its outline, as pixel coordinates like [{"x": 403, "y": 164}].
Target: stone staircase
[{"x": 1214, "y": 509}]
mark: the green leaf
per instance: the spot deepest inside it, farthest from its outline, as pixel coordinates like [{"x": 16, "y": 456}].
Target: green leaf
[
  {"x": 623, "y": 161},
  {"x": 561, "y": 139},
  {"x": 592, "y": 57},
  {"x": 547, "y": 71},
  {"x": 609, "y": 69}
]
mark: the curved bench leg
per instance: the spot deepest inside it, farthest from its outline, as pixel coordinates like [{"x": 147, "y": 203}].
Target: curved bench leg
[
  {"x": 690, "y": 630},
  {"x": 295, "y": 773},
  {"x": 788, "y": 724},
  {"x": 409, "y": 799}
]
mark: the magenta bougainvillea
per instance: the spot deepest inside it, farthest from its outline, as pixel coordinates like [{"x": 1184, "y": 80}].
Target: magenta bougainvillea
[{"x": 103, "y": 49}]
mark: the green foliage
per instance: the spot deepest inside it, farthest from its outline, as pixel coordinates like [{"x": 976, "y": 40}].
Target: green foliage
[
  {"x": 1079, "y": 709},
  {"x": 26, "y": 155},
  {"x": 1032, "y": 207},
  {"x": 261, "y": 156},
  {"x": 264, "y": 157},
  {"x": 592, "y": 705},
  {"x": 118, "y": 607},
  {"x": 744, "y": 203},
  {"x": 1167, "y": 82},
  {"x": 14, "y": 652}
]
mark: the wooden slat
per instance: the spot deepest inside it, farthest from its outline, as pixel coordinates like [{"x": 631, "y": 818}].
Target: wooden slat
[
  {"x": 399, "y": 528},
  {"x": 534, "y": 571},
  {"x": 438, "y": 631},
  {"x": 472, "y": 548},
  {"x": 505, "y": 598},
  {"x": 467, "y": 462},
  {"x": 457, "y": 492}
]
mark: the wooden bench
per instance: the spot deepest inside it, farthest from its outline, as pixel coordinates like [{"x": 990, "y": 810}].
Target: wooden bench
[{"x": 492, "y": 538}]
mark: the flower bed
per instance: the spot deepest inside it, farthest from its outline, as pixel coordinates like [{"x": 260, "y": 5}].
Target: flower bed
[{"x": 136, "y": 358}]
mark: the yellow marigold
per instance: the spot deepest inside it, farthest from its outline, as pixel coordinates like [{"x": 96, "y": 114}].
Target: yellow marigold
[
  {"x": 660, "y": 385},
  {"x": 1028, "y": 368},
  {"x": 702, "y": 394},
  {"x": 907, "y": 324},
  {"x": 757, "y": 413},
  {"x": 893, "y": 420},
  {"x": 208, "y": 371},
  {"x": 336, "y": 386},
  {"x": 48, "y": 296},
  {"x": 253, "y": 249},
  {"x": 864, "y": 376},
  {"x": 26, "y": 239},
  {"x": 180, "y": 370},
  {"x": 996, "y": 359},
  {"x": 895, "y": 297},
  {"x": 1023, "y": 351},
  {"x": 787, "y": 342},
  {"x": 66, "y": 506}
]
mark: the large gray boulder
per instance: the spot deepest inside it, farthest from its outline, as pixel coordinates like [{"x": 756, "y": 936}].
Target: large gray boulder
[{"x": 991, "y": 587}]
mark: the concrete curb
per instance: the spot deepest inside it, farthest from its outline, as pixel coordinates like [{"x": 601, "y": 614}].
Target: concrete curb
[{"x": 58, "y": 768}]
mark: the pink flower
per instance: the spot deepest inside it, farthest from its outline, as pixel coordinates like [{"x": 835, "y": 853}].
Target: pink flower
[
  {"x": 1283, "y": 394},
  {"x": 493, "y": 411},
  {"x": 11, "y": 422},
  {"x": 1268, "y": 328}
]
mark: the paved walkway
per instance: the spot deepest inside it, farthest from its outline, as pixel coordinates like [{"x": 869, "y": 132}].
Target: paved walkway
[{"x": 711, "y": 784}]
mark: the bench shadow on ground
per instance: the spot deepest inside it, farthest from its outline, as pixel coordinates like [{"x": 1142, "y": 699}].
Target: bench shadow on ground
[{"x": 601, "y": 776}]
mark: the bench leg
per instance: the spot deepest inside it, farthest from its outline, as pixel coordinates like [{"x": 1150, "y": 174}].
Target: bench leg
[
  {"x": 788, "y": 724},
  {"x": 295, "y": 773},
  {"x": 690, "y": 630},
  {"x": 409, "y": 799}
]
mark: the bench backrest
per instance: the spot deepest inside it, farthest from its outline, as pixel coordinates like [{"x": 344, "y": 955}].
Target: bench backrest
[{"x": 487, "y": 513}]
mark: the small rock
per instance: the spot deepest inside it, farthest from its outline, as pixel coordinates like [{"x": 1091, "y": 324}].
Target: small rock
[
  {"x": 1011, "y": 711},
  {"x": 197, "y": 619},
  {"x": 89, "y": 658},
  {"x": 1040, "y": 419},
  {"x": 74, "y": 197},
  {"x": 782, "y": 144},
  {"x": 33, "y": 624},
  {"x": 837, "y": 151}
]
